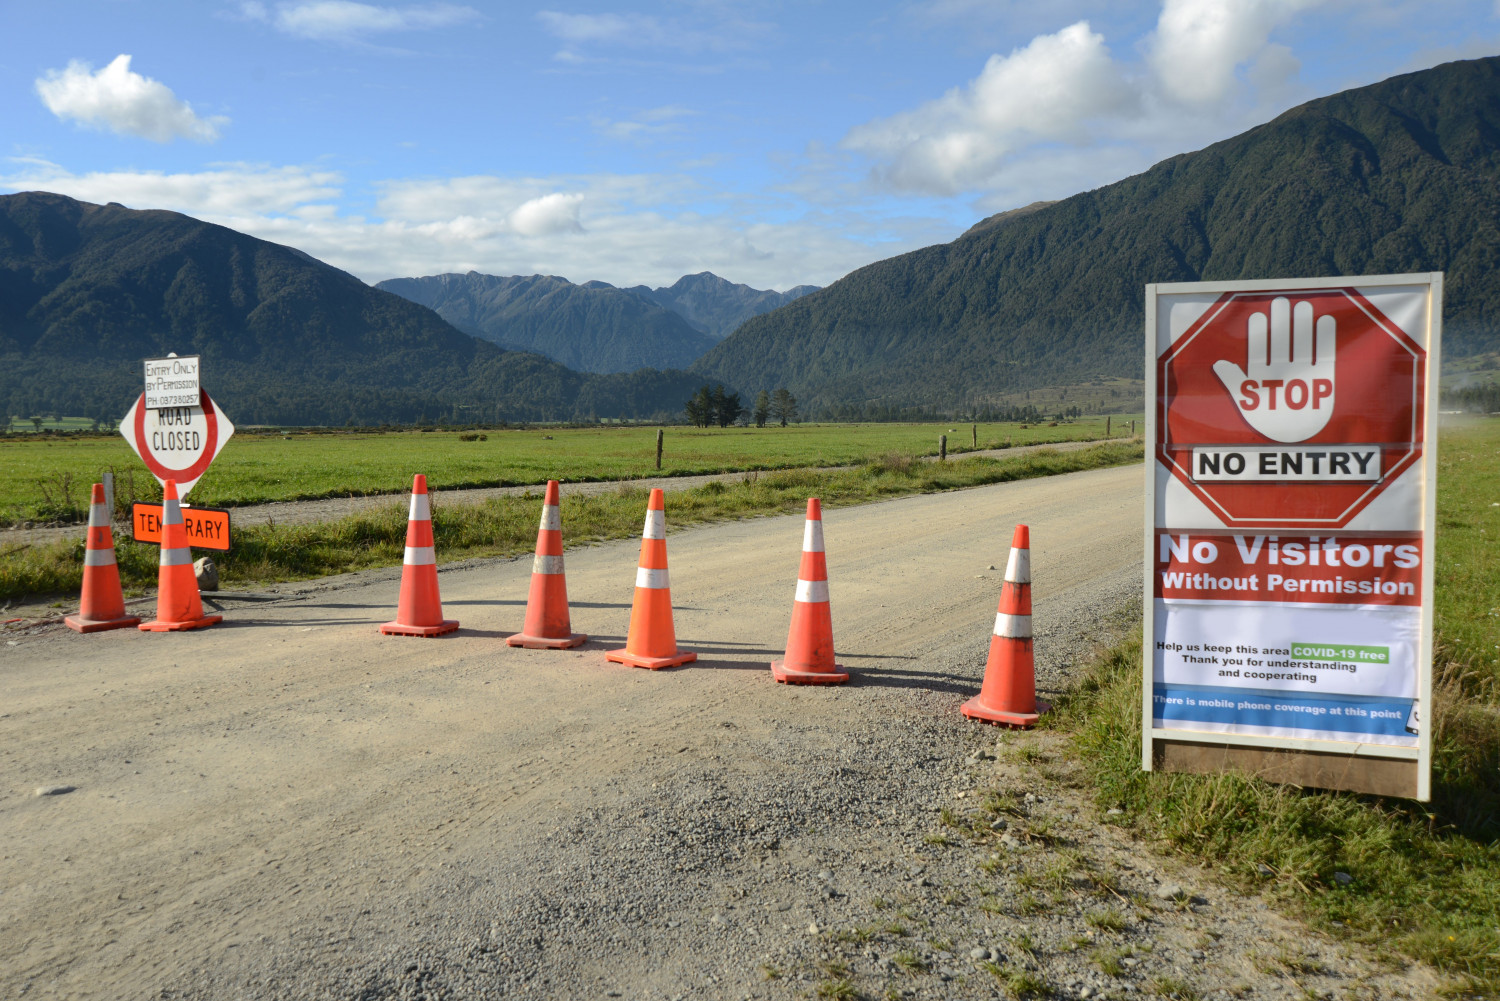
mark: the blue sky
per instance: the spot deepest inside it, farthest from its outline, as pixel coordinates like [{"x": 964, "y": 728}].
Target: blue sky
[{"x": 774, "y": 144}]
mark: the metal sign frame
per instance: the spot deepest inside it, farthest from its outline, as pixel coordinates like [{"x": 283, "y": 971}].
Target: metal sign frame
[{"x": 1352, "y": 765}]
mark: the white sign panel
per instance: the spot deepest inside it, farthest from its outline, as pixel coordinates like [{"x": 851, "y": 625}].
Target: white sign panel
[
  {"x": 177, "y": 443},
  {"x": 172, "y": 382},
  {"x": 1289, "y": 518}
]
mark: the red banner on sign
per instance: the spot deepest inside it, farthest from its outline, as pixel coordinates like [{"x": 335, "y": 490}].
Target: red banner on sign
[{"x": 1353, "y": 568}]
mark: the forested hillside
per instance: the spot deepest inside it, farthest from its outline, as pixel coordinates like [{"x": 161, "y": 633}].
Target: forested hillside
[
  {"x": 88, "y": 291},
  {"x": 1402, "y": 176}
]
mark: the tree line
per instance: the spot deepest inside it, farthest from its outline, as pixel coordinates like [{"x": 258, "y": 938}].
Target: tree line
[{"x": 717, "y": 407}]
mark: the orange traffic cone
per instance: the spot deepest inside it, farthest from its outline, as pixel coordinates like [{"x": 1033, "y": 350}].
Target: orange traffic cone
[
  {"x": 809, "y": 643},
  {"x": 178, "y": 604},
  {"x": 419, "y": 612},
  {"x": 103, "y": 603},
  {"x": 1009, "y": 692},
  {"x": 652, "y": 642},
  {"x": 547, "y": 625}
]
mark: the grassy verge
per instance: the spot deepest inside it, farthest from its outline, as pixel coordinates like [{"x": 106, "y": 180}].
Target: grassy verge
[
  {"x": 1425, "y": 877},
  {"x": 507, "y": 525}
]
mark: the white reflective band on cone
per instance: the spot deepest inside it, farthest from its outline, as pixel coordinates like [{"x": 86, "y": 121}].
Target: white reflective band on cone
[
  {"x": 546, "y": 564},
  {"x": 812, "y": 590},
  {"x": 656, "y": 579},
  {"x": 812, "y": 537},
  {"x": 1013, "y": 627},
  {"x": 98, "y": 557},
  {"x": 656, "y": 525},
  {"x": 420, "y": 556},
  {"x": 1018, "y": 570},
  {"x": 175, "y": 557},
  {"x": 421, "y": 509},
  {"x": 171, "y": 514},
  {"x": 97, "y": 517},
  {"x": 551, "y": 520}
]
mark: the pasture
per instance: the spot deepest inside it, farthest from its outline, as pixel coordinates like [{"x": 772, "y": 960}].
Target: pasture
[{"x": 47, "y": 478}]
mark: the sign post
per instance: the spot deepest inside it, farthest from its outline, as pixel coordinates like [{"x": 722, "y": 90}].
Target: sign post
[{"x": 1289, "y": 529}]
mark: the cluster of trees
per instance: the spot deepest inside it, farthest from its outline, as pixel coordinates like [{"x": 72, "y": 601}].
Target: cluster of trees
[
  {"x": 780, "y": 406},
  {"x": 710, "y": 407},
  {"x": 716, "y": 406},
  {"x": 1482, "y": 398}
]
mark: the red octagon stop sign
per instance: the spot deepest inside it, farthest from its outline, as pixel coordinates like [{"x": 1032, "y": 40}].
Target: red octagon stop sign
[{"x": 1290, "y": 409}]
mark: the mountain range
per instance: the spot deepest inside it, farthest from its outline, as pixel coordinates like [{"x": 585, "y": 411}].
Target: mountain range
[
  {"x": 1399, "y": 177},
  {"x": 1402, "y": 176},
  {"x": 594, "y": 327},
  {"x": 88, "y": 291}
]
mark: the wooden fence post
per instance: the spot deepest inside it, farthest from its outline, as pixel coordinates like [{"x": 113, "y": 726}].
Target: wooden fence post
[
  {"x": 658, "y": 447},
  {"x": 975, "y": 429},
  {"x": 942, "y": 448},
  {"x": 1106, "y": 426}
]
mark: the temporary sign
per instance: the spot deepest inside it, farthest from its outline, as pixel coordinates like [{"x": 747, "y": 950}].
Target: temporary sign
[
  {"x": 207, "y": 527},
  {"x": 172, "y": 382},
  {"x": 177, "y": 443},
  {"x": 1289, "y": 528}
]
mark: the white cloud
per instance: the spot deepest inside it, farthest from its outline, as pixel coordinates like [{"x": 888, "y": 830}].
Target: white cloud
[
  {"x": 653, "y": 123},
  {"x": 1061, "y": 115},
  {"x": 514, "y": 225},
  {"x": 231, "y": 190},
  {"x": 645, "y": 31},
  {"x": 1046, "y": 92},
  {"x": 344, "y": 20},
  {"x": 123, "y": 101},
  {"x": 554, "y": 213},
  {"x": 1199, "y": 44}
]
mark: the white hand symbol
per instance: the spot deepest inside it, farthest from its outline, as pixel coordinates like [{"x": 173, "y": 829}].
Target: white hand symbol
[{"x": 1287, "y": 394}]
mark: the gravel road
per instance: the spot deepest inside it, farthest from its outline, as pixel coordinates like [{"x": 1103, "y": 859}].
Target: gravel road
[{"x": 289, "y": 805}]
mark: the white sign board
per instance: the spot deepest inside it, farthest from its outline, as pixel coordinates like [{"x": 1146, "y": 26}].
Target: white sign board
[
  {"x": 172, "y": 382},
  {"x": 176, "y": 443},
  {"x": 1290, "y": 514}
]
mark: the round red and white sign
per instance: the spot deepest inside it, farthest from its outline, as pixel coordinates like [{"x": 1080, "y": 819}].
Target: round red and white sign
[
  {"x": 1292, "y": 408},
  {"x": 177, "y": 443}
]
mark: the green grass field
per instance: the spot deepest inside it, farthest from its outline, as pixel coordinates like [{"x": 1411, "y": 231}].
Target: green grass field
[
  {"x": 1425, "y": 877},
  {"x": 506, "y": 526},
  {"x": 47, "y": 478}
]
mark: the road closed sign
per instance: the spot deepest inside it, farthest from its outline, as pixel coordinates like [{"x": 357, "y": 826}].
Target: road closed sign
[
  {"x": 177, "y": 443},
  {"x": 1288, "y": 591}
]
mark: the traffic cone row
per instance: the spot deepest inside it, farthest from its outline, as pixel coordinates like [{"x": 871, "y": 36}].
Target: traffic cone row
[
  {"x": 548, "y": 625},
  {"x": 652, "y": 641},
  {"x": 419, "y": 611},
  {"x": 1007, "y": 696},
  {"x": 179, "y": 606},
  {"x": 103, "y": 603},
  {"x": 809, "y": 642}
]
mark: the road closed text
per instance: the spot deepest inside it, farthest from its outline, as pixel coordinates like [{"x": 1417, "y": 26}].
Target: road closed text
[{"x": 1325, "y": 569}]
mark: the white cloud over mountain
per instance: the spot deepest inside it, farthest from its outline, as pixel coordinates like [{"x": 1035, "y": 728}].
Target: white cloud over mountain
[
  {"x": 610, "y": 227},
  {"x": 1047, "y": 91},
  {"x": 1065, "y": 90},
  {"x": 118, "y": 99},
  {"x": 345, "y": 20}
]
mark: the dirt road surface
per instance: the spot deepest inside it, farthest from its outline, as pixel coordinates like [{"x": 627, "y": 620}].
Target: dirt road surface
[{"x": 289, "y": 805}]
